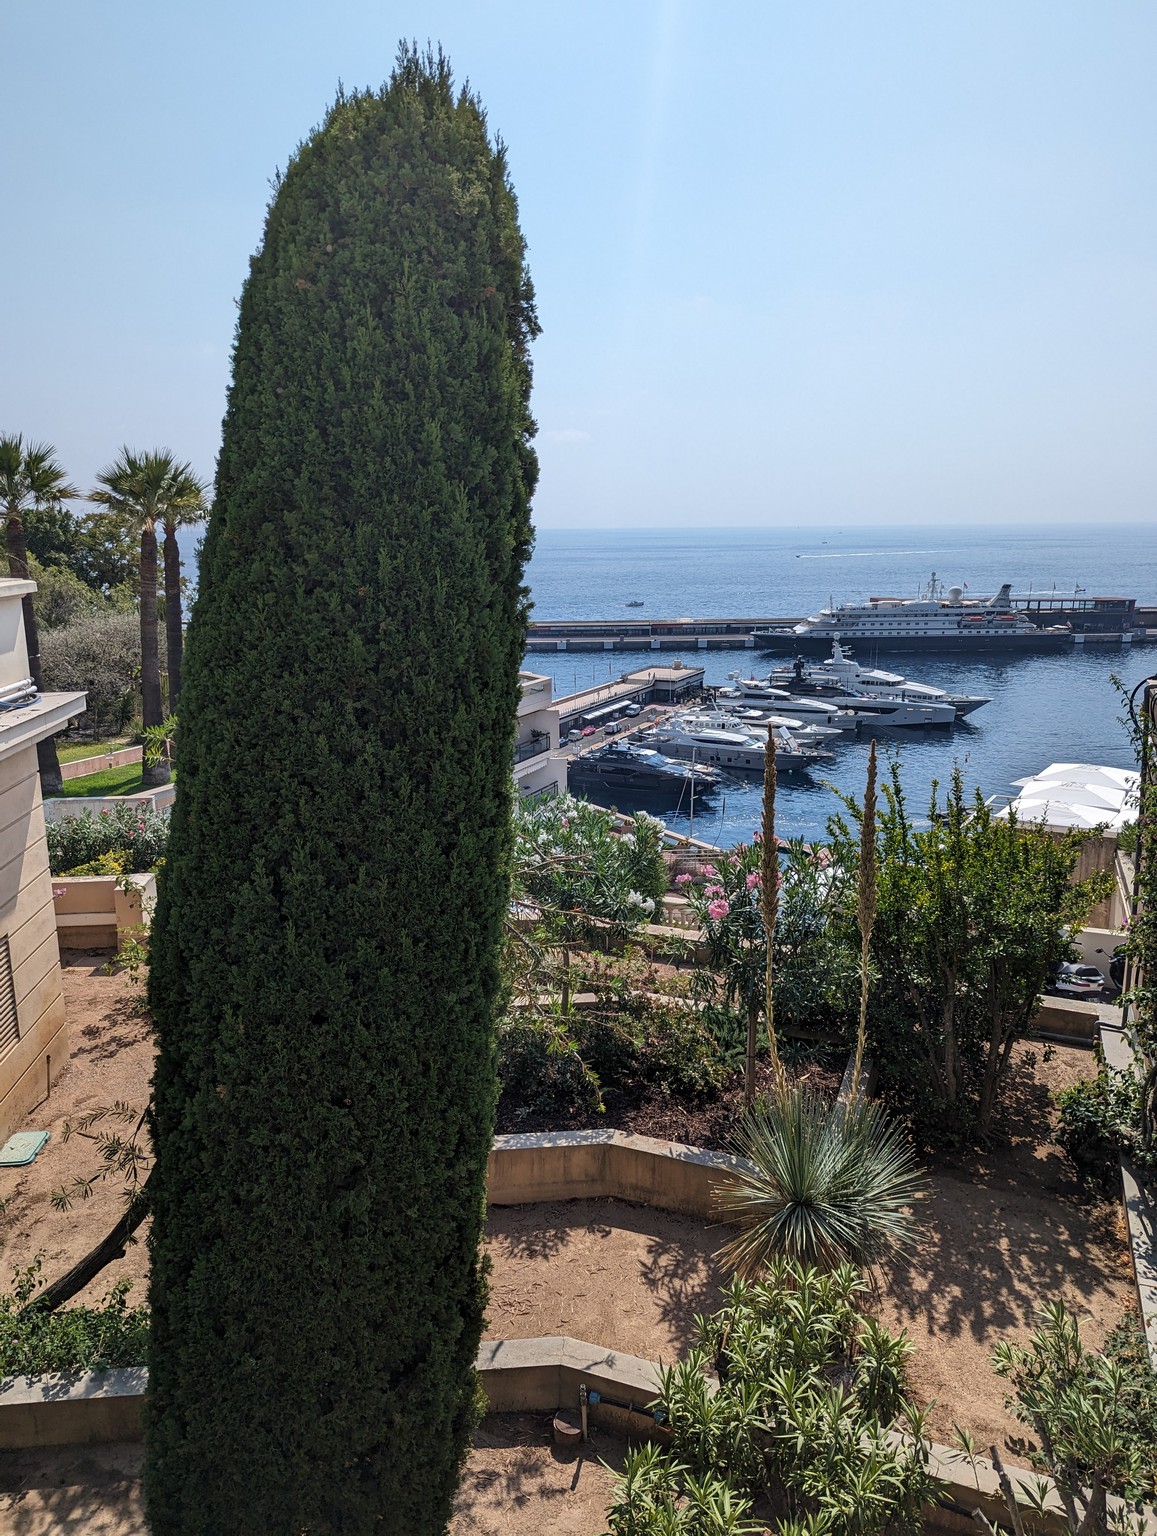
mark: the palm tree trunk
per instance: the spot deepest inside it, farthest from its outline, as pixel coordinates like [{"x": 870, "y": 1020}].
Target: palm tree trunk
[
  {"x": 152, "y": 709},
  {"x": 174, "y": 639},
  {"x": 46, "y": 758}
]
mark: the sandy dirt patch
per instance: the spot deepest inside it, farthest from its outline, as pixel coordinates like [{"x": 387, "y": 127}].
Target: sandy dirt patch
[
  {"x": 514, "y": 1484},
  {"x": 110, "y": 1060}
]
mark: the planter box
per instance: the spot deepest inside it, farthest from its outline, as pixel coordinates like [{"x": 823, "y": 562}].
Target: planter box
[{"x": 94, "y": 912}]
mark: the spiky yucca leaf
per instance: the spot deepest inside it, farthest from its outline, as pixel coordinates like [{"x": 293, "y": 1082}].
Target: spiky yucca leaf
[{"x": 828, "y": 1184}]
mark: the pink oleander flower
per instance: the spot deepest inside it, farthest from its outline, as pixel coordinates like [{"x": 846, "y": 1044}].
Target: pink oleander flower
[
  {"x": 682, "y": 879},
  {"x": 735, "y": 861},
  {"x": 824, "y": 857},
  {"x": 757, "y": 837},
  {"x": 58, "y": 891},
  {"x": 752, "y": 882},
  {"x": 709, "y": 869},
  {"x": 718, "y": 909},
  {"x": 714, "y": 890}
]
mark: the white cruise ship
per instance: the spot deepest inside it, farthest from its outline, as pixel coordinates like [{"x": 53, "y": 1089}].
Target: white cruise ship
[{"x": 935, "y": 621}]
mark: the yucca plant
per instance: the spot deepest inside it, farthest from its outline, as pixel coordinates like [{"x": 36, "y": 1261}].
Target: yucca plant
[{"x": 826, "y": 1184}]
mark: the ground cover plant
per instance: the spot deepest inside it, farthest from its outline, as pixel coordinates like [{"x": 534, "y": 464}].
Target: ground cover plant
[
  {"x": 94, "y": 1338},
  {"x": 808, "y": 1387},
  {"x": 324, "y": 955},
  {"x": 1101, "y": 1120}
]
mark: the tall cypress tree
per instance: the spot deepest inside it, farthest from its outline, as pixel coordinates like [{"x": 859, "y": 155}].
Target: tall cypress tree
[{"x": 324, "y": 952}]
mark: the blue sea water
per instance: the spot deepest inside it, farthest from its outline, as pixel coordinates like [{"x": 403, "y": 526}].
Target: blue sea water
[{"x": 1044, "y": 709}]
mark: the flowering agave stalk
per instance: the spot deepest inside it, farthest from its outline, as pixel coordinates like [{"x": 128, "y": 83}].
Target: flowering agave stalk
[
  {"x": 865, "y": 912},
  {"x": 770, "y": 885}
]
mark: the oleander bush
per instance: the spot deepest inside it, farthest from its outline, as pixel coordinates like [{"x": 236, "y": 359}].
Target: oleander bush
[
  {"x": 796, "y": 1427},
  {"x": 128, "y": 840}
]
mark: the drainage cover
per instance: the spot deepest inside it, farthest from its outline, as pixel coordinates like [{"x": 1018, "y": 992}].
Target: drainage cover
[{"x": 21, "y": 1149}]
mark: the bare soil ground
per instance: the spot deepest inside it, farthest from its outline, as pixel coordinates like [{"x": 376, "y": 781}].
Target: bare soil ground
[
  {"x": 1003, "y": 1231},
  {"x": 110, "y": 1060},
  {"x": 515, "y": 1483}
]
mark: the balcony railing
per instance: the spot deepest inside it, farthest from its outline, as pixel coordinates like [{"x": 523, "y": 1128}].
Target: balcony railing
[{"x": 537, "y": 743}]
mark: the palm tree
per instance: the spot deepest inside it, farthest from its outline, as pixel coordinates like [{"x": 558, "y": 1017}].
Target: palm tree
[
  {"x": 145, "y": 489},
  {"x": 30, "y": 478},
  {"x": 826, "y": 1185},
  {"x": 186, "y": 506}
]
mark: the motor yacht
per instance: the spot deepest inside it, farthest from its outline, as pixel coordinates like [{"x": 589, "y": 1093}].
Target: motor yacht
[
  {"x": 631, "y": 771},
  {"x": 934, "y": 621},
  {"x": 751, "y": 698},
  {"x": 873, "y": 682},
  {"x": 742, "y": 751}
]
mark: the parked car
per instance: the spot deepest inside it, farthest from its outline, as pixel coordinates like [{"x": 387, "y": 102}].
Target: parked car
[
  {"x": 588, "y": 730},
  {"x": 633, "y": 710},
  {"x": 1073, "y": 980},
  {"x": 613, "y": 728},
  {"x": 574, "y": 735}
]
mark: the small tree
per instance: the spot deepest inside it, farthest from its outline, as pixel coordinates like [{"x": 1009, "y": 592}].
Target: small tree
[
  {"x": 972, "y": 915},
  {"x": 1078, "y": 1404},
  {"x": 31, "y": 479},
  {"x": 100, "y": 653}
]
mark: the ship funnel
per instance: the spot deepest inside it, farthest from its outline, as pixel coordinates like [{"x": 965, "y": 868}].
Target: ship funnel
[{"x": 1003, "y": 599}]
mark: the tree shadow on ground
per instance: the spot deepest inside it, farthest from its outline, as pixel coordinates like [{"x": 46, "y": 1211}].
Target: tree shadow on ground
[{"x": 1005, "y": 1228}]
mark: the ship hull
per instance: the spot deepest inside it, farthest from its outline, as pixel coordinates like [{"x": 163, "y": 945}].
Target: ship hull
[{"x": 920, "y": 645}]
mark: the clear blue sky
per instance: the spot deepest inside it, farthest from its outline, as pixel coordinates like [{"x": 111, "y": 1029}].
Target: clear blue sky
[{"x": 796, "y": 262}]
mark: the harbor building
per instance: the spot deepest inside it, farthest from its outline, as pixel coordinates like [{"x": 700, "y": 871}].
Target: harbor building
[
  {"x": 33, "y": 1028},
  {"x": 538, "y": 768}
]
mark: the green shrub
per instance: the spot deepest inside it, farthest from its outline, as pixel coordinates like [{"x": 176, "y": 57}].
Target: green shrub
[
  {"x": 1126, "y": 1347},
  {"x": 547, "y": 1064},
  {"x": 73, "y": 1338},
  {"x": 808, "y": 1387},
  {"x": 541, "y": 1070},
  {"x": 140, "y": 834},
  {"x": 1100, "y": 1119}
]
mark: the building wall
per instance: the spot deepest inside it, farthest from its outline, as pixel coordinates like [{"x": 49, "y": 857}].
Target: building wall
[{"x": 28, "y": 918}]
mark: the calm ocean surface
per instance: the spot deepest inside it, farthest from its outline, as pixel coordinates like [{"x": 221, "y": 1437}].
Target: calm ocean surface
[{"x": 1044, "y": 709}]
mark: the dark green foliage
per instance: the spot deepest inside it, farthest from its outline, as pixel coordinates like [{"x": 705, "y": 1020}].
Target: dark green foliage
[
  {"x": 73, "y": 1339},
  {"x": 971, "y": 916},
  {"x": 1137, "y": 1408},
  {"x": 1100, "y": 1118},
  {"x": 138, "y": 832},
  {"x": 809, "y": 1386},
  {"x": 98, "y": 652},
  {"x": 637, "y": 1048},
  {"x": 326, "y": 940}
]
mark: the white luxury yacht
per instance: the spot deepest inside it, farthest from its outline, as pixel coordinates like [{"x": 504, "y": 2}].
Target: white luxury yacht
[
  {"x": 934, "y": 621},
  {"x": 744, "y": 751},
  {"x": 869, "y": 710},
  {"x": 870, "y": 681}
]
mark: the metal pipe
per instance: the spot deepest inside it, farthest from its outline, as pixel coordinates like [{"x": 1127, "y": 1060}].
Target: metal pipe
[
  {"x": 583, "y": 1408},
  {"x": 595, "y": 1398}
]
